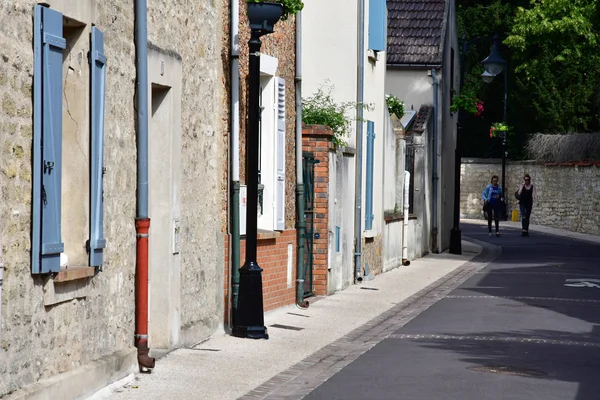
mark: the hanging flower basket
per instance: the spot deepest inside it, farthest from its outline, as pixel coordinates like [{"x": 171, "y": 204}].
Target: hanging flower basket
[
  {"x": 499, "y": 129},
  {"x": 467, "y": 103}
]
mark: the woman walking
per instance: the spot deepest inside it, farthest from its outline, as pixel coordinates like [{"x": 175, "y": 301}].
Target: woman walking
[
  {"x": 526, "y": 196},
  {"x": 492, "y": 201}
]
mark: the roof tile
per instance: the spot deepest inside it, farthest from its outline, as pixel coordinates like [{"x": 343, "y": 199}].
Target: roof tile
[{"x": 415, "y": 31}]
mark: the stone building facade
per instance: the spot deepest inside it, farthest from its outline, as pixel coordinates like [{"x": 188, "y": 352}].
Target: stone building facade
[
  {"x": 568, "y": 193},
  {"x": 77, "y": 326}
]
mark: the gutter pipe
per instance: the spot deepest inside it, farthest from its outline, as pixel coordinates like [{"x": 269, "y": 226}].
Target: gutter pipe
[
  {"x": 235, "y": 160},
  {"x": 435, "y": 160},
  {"x": 405, "y": 66},
  {"x": 359, "y": 140},
  {"x": 142, "y": 222},
  {"x": 405, "y": 212},
  {"x": 301, "y": 223}
]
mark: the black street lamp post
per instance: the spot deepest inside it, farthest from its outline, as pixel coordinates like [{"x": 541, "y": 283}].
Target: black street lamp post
[
  {"x": 249, "y": 321},
  {"x": 493, "y": 65}
]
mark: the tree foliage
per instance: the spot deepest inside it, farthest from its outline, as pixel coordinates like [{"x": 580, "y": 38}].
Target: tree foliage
[{"x": 553, "y": 53}]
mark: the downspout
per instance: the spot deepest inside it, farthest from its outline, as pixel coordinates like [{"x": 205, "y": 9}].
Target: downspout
[
  {"x": 359, "y": 139},
  {"x": 405, "y": 211},
  {"x": 301, "y": 223},
  {"x": 235, "y": 159},
  {"x": 142, "y": 222},
  {"x": 435, "y": 161}
]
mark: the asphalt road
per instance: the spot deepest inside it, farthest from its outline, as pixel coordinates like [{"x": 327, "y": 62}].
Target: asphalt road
[{"x": 514, "y": 330}]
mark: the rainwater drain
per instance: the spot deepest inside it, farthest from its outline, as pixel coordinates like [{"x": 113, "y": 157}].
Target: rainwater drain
[
  {"x": 509, "y": 370},
  {"x": 289, "y": 327},
  {"x": 368, "y": 288}
]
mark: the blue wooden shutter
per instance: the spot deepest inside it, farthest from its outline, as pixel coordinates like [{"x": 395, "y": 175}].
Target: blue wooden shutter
[
  {"x": 377, "y": 25},
  {"x": 47, "y": 147},
  {"x": 98, "y": 68},
  {"x": 280, "y": 155},
  {"x": 369, "y": 195}
]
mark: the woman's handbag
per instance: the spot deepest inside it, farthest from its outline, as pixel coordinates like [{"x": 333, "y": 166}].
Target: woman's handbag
[{"x": 517, "y": 195}]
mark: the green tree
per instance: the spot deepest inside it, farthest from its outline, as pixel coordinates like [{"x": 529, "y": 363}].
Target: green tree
[{"x": 555, "y": 45}]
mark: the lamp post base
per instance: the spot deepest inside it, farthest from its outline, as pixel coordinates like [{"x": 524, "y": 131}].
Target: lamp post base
[
  {"x": 249, "y": 319},
  {"x": 455, "y": 241},
  {"x": 250, "y": 332}
]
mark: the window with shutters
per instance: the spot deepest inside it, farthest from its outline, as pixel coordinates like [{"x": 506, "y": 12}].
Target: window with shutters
[
  {"x": 69, "y": 76},
  {"x": 271, "y": 213},
  {"x": 377, "y": 25}
]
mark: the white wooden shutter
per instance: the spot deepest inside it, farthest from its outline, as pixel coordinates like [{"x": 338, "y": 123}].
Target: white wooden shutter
[{"x": 280, "y": 155}]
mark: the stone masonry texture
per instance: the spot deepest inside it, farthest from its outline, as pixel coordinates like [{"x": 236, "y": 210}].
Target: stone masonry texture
[
  {"x": 568, "y": 194},
  {"x": 39, "y": 342}
]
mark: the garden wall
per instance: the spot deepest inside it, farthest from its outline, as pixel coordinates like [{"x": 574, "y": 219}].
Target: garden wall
[{"x": 568, "y": 193}]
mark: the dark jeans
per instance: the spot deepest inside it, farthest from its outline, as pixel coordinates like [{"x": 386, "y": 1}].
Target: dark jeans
[
  {"x": 493, "y": 212},
  {"x": 525, "y": 214}
]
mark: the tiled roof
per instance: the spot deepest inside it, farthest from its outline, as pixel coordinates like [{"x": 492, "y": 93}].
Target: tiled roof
[
  {"x": 415, "y": 31},
  {"x": 422, "y": 118}
]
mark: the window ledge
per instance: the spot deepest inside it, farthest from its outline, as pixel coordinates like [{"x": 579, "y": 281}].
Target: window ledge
[
  {"x": 369, "y": 234},
  {"x": 397, "y": 217},
  {"x": 73, "y": 273},
  {"x": 69, "y": 284}
]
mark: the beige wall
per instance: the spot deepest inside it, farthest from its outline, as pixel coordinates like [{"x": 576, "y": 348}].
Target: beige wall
[
  {"x": 568, "y": 195},
  {"x": 40, "y": 340}
]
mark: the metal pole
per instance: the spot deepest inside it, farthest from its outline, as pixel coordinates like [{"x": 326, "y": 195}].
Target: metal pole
[
  {"x": 504, "y": 149},
  {"x": 249, "y": 321},
  {"x": 455, "y": 233}
]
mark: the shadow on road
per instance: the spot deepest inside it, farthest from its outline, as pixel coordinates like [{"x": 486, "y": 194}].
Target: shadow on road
[{"x": 525, "y": 287}]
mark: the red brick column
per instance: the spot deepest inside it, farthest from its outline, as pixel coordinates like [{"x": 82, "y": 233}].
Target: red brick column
[{"x": 316, "y": 139}]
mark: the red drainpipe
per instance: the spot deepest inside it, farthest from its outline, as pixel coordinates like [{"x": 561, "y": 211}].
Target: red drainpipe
[{"x": 145, "y": 362}]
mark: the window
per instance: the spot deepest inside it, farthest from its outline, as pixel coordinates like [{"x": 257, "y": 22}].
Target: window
[
  {"x": 377, "y": 25},
  {"x": 271, "y": 214},
  {"x": 68, "y": 66},
  {"x": 410, "y": 167},
  {"x": 369, "y": 189}
]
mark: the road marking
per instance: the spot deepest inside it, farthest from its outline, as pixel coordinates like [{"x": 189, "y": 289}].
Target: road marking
[
  {"x": 526, "y": 298},
  {"x": 493, "y": 338},
  {"x": 583, "y": 282}
]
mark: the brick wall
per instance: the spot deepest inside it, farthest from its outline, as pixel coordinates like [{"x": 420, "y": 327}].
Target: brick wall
[
  {"x": 316, "y": 139},
  {"x": 272, "y": 254}
]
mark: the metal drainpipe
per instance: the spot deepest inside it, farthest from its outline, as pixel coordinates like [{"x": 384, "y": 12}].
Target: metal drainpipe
[
  {"x": 301, "y": 223},
  {"x": 142, "y": 222},
  {"x": 235, "y": 160},
  {"x": 359, "y": 139},
  {"x": 435, "y": 160}
]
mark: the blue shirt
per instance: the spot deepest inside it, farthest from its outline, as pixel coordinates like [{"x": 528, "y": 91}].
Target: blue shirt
[{"x": 492, "y": 194}]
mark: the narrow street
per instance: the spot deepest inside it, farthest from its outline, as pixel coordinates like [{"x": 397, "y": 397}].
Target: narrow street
[{"x": 520, "y": 321}]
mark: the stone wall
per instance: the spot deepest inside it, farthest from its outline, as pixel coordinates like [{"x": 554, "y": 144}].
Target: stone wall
[
  {"x": 568, "y": 193},
  {"x": 38, "y": 340}
]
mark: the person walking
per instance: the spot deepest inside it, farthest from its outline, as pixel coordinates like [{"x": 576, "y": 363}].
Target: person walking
[
  {"x": 492, "y": 201},
  {"x": 526, "y": 195}
]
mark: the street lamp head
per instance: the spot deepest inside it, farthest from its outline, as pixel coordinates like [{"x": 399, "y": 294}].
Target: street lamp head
[
  {"x": 487, "y": 77},
  {"x": 263, "y": 16},
  {"x": 494, "y": 63}
]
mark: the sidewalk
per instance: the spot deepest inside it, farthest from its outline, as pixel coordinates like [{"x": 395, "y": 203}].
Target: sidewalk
[{"x": 225, "y": 367}]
